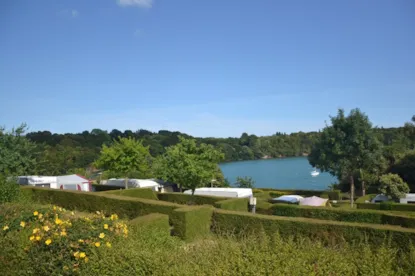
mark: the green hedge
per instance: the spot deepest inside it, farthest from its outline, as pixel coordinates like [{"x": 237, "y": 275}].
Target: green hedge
[
  {"x": 295, "y": 192},
  {"x": 335, "y": 195},
  {"x": 152, "y": 222},
  {"x": 331, "y": 232},
  {"x": 136, "y": 192},
  {"x": 91, "y": 202},
  {"x": 263, "y": 207},
  {"x": 102, "y": 188},
  {"x": 192, "y": 222},
  {"x": 387, "y": 206},
  {"x": 363, "y": 199},
  {"x": 361, "y": 216},
  {"x": 181, "y": 198},
  {"x": 235, "y": 204}
]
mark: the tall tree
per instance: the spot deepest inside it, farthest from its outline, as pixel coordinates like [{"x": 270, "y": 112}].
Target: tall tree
[
  {"x": 17, "y": 153},
  {"x": 347, "y": 146},
  {"x": 188, "y": 164},
  {"x": 125, "y": 156}
]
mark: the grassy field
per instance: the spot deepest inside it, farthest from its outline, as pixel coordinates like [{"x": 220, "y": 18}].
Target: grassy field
[{"x": 138, "y": 251}]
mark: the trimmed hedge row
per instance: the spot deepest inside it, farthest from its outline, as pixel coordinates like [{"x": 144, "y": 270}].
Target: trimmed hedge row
[
  {"x": 387, "y": 206},
  {"x": 373, "y": 217},
  {"x": 192, "y": 222},
  {"x": 362, "y": 199},
  {"x": 91, "y": 202},
  {"x": 235, "y": 204},
  {"x": 102, "y": 188},
  {"x": 152, "y": 222},
  {"x": 136, "y": 192},
  {"x": 263, "y": 207},
  {"x": 181, "y": 198},
  {"x": 330, "y": 232},
  {"x": 295, "y": 192}
]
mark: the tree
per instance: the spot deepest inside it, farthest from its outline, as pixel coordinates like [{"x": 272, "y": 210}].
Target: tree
[
  {"x": 245, "y": 182},
  {"x": 393, "y": 186},
  {"x": 124, "y": 156},
  {"x": 347, "y": 146},
  {"x": 405, "y": 168},
  {"x": 188, "y": 164},
  {"x": 17, "y": 153}
]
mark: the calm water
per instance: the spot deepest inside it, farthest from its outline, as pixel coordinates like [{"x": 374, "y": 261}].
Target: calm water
[{"x": 286, "y": 173}]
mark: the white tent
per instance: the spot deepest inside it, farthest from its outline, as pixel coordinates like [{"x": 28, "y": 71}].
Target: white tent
[
  {"x": 64, "y": 182},
  {"x": 314, "y": 201},
  {"x": 223, "y": 192},
  {"x": 380, "y": 198},
  {"x": 133, "y": 183},
  {"x": 409, "y": 198},
  {"x": 288, "y": 198}
]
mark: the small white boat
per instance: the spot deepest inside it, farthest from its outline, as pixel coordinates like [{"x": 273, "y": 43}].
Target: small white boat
[{"x": 314, "y": 173}]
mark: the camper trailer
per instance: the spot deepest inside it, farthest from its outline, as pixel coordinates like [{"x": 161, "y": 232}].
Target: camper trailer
[{"x": 63, "y": 182}]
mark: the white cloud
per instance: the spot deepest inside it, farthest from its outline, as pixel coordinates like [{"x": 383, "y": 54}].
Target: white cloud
[
  {"x": 138, "y": 3},
  {"x": 68, "y": 13}
]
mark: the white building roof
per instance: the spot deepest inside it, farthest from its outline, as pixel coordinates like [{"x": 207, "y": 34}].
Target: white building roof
[{"x": 222, "y": 192}]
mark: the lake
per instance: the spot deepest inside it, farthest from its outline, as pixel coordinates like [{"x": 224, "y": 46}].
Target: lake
[{"x": 284, "y": 173}]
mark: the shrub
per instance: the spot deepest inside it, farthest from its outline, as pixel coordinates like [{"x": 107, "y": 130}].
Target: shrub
[
  {"x": 387, "y": 206},
  {"x": 235, "y": 204},
  {"x": 374, "y": 217},
  {"x": 9, "y": 190},
  {"x": 137, "y": 192},
  {"x": 334, "y": 195},
  {"x": 91, "y": 202},
  {"x": 102, "y": 188},
  {"x": 263, "y": 207},
  {"x": 152, "y": 222},
  {"x": 192, "y": 222},
  {"x": 62, "y": 238},
  {"x": 393, "y": 185},
  {"x": 277, "y": 194},
  {"x": 329, "y": 232},
  {"x": 296, "y": 192},
  {"x": 181, "y": 198}
]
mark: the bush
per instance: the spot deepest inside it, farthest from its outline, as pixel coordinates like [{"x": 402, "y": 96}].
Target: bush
[
  {"x": 9, "y": 190},
  {"x": 137, "y": 192},
  {"x": 235, "y": 204},
  {"x": 181, "y": 198},
  {"x": 277, "y": 194},
  {"x": 192, "y": 222},
  {"x": 305, "y": 193},
  {"x": 102, "y": 188},
  {"x": 263, "y": 207},
  {"x": 393, "y": 186},
  {"x": 387, "y": 206},
  {"x": 374, "y": 217},
  {"x": 91, "y": 202},
  {"x": 334, "y": 195},
  {"x": 328, "y": 232},
  {"x": 152, "y": 222}
]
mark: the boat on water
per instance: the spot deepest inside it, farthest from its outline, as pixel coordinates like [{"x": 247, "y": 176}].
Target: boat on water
[{"x": 314, "y": 173}]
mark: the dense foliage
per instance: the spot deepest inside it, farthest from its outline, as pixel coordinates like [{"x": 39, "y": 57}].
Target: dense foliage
[{"x": 393, "y": 186}]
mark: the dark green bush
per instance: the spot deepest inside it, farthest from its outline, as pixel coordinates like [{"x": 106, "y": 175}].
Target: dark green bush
[
  {"x": 331, "y": 232},
  {"x": 387, "y": 206},
  {"x": 235, "y": 204},
  {"x": 151, "y": 222},
  {"x": 350, "y": 215},
  {"x": 9, "y": 190},
  {"x": 137, "y": 192},
  {"x": 102, "y": 188},
  {"x": 192, "y": 222},
  {"x": 181, "y": 198},
  {"x": 88, "y": 201},
  {"x": 334, "y": 195},
  {"x": 263, "y": 207}
]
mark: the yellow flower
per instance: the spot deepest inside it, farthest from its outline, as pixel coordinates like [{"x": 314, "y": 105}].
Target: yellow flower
[
  {"x": 5, "y": 228},
  {"x": 35, "y": 213},
  {"x": 102, "y": 235},
  {"x": 76, "y": 254},
  {"x": 22, "y": 224},
  {"x": 108, "y": 244},
  {"x": 38, "y": 238},
  {"x": 72, "y": 213},
  {"x": 86, "y": 259},
  {"x": 40, "y": 216},
  {"x": 63, "y": 233},
  {"x": 81, "y": 240},
  {"x": 32, "y": 238},
  {"x": 60, "y": 209},
  {"x": 82, "y": 255},
  {"x": 54, "y": 207},
  {"x": 97, "y": 244},
  {"x": 58, "y": 221},
  {"x": 105, "y": 226},
  {"x": 114, "y": 217},
  {"x": 46, "y": 228},
  {"x": 48, "y": 241},
  {"x": 35, "y": 230}
]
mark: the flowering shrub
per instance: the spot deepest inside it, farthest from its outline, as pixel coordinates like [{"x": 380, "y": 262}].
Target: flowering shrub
[{"x": 60, "y": 239}]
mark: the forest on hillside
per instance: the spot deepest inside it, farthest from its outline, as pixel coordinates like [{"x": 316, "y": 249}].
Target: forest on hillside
[{"x": 64, "y": 153}]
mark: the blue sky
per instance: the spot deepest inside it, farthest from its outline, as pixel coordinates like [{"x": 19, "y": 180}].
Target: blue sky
[{"x": 205, "y": 67}]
